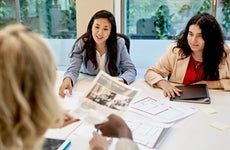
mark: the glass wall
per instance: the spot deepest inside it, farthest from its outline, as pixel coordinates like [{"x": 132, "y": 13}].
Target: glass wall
[
  {"x": 55, "y": 19},
  {"x": 165, "y": 19}
]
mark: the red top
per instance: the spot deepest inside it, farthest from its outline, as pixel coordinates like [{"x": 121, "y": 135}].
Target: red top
[{"x": 194, "y": 73}]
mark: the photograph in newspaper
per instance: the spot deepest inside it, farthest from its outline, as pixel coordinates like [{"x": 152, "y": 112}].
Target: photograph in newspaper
[{"x": 110, "y": 92}]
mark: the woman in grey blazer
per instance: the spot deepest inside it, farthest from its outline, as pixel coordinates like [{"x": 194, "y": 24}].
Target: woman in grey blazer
[{"x": 99, "y": 49}]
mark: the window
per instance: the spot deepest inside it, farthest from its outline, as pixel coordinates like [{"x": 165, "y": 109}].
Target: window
[
  {"x": 165, "y": 19},
  {"x": 54, "y": 19}
]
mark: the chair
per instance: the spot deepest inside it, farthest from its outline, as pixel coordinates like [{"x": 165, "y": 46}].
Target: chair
[{"x": 127, "y": 40}]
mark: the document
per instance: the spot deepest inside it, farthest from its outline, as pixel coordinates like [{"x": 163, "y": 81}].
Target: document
[
  {"x": 69, "y": 103},
  {"x": 166, "y": 112},
  {"x": 107, "y": 95},
  {"x": 145, "y": 134},
  {"x": 62, "y": 133},
  {"x": 197, "y": 93}
]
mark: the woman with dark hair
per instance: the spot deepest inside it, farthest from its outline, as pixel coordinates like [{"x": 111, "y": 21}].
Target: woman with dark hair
[
  {"x": 200, "y": 56},
  {"x": 99, "y": 49}
]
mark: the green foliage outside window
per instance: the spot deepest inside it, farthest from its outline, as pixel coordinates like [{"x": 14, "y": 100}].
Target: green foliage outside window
[
  {"x": 4, "y": 11},
  {"x": 48, "y": 17},
  {"x": 205, "y": 7},
  {"x": 226, "y": 17},
  {"x": 144, "y": 22}
]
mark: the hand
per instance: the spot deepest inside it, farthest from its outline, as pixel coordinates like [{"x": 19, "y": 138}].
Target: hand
[
  {"x": 122, "y": 80},
  {"x": 114, "y": 127},
  {"x": 66, "y": 120},
  {"x": 168, "y": 89},
  {"x": 99, "y": 142},
  {"x": 66, "y": 85}
]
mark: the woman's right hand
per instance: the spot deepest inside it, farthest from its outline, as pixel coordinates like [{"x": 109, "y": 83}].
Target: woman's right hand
[
  {"x": 168, "y": 89},
  {"x": 66, "y": 85},
  {"x": 115, "y": 126},
  {"x": 99, "y": 142}
]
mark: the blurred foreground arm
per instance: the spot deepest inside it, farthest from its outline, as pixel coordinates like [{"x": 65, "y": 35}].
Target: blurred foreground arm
[{"x": 114, "y": 127}]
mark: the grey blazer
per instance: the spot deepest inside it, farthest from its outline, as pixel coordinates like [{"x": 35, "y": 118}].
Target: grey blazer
[{"x": 126, "y": 68}]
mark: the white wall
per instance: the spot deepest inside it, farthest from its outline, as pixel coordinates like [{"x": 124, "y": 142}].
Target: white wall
[
  {"x": 61, "y": 49},
  {"x": 86, "y": 9},
  {"x": 145, "y": 53}
]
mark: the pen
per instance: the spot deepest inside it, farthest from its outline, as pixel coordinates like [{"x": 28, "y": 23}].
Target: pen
[{"x": 65, "y": 145}]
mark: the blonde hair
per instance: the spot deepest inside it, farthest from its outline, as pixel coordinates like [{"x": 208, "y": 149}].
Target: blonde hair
[{"x": 28, "y": 104}]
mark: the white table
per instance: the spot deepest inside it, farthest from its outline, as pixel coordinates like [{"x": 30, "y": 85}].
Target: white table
[{"x": 191, "y": 133}]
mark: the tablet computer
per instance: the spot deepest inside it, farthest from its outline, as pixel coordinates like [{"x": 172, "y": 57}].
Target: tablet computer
[{"x": 56, "y": 144}]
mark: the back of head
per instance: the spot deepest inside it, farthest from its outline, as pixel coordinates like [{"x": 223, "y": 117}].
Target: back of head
[{"x": 27, "y": 101}]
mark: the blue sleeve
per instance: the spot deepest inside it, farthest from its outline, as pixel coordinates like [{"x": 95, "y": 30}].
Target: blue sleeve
[
  {"x": 126, "y": 67},
  {"x": 75, "y": 63}
]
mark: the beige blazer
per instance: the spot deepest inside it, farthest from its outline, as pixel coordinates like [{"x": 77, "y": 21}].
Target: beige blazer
[{"x": 173, "y": 65}]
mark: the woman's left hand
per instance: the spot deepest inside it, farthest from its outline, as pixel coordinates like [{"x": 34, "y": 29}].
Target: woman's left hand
[{"x": 66, "y": 120}]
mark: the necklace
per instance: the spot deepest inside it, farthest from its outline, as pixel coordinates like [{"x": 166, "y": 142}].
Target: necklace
[{"x": 197, "y": 65}]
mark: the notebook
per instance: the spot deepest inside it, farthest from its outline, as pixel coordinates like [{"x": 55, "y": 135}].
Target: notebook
[
  {"x": 56, "y": 144},
  {"x": 197, "y": 93}
]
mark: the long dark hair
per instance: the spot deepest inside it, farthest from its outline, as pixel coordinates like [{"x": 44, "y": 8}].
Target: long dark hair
[
  {"x": 213, "y": 52},
  {"x": 90, "y": 44}
]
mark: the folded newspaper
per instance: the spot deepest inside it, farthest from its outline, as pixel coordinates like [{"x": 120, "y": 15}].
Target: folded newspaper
[{"x": 107, "y": 95}]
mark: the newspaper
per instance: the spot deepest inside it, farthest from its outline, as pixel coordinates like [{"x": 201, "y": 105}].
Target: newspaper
[{"x": 107, "y": 95}]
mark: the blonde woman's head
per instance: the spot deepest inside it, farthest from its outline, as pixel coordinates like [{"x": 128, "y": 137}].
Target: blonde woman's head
[{"x": 28, "y": 104}]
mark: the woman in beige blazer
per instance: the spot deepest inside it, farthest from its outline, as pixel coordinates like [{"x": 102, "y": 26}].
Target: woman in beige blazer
[{"x": 199, "y": 56}]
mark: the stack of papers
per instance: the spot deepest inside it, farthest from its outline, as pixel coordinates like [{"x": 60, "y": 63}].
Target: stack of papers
[
  {"x": 145, "y": 134},
  {"x": 166, "y": 112}
]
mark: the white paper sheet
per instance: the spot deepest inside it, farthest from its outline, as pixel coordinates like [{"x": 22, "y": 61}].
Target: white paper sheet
[{"x": 162, "y": 111}]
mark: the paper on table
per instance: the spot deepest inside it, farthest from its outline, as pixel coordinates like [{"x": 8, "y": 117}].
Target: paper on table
[
  {"x": 209, "y": 110},
  {"x": 162, "y": 111},
  {"x": 146, "y": 135},
  {"x": 72, "y": 102},
  {"x": 220, "y": 125},
  {"x": 69, "y": 103},
  {"x": 62, "y": 133}
]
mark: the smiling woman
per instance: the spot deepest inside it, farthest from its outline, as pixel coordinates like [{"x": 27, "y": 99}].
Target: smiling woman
[
  {"x": 101, "y": 30},
  {"x": 100, "y": 48},
  {"x": 200, "y": 43}
]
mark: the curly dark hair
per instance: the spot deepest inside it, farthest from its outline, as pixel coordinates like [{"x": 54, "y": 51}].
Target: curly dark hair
[
  {"x": 212, "y": 35},
  {"x": 90, "y": 44}
]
